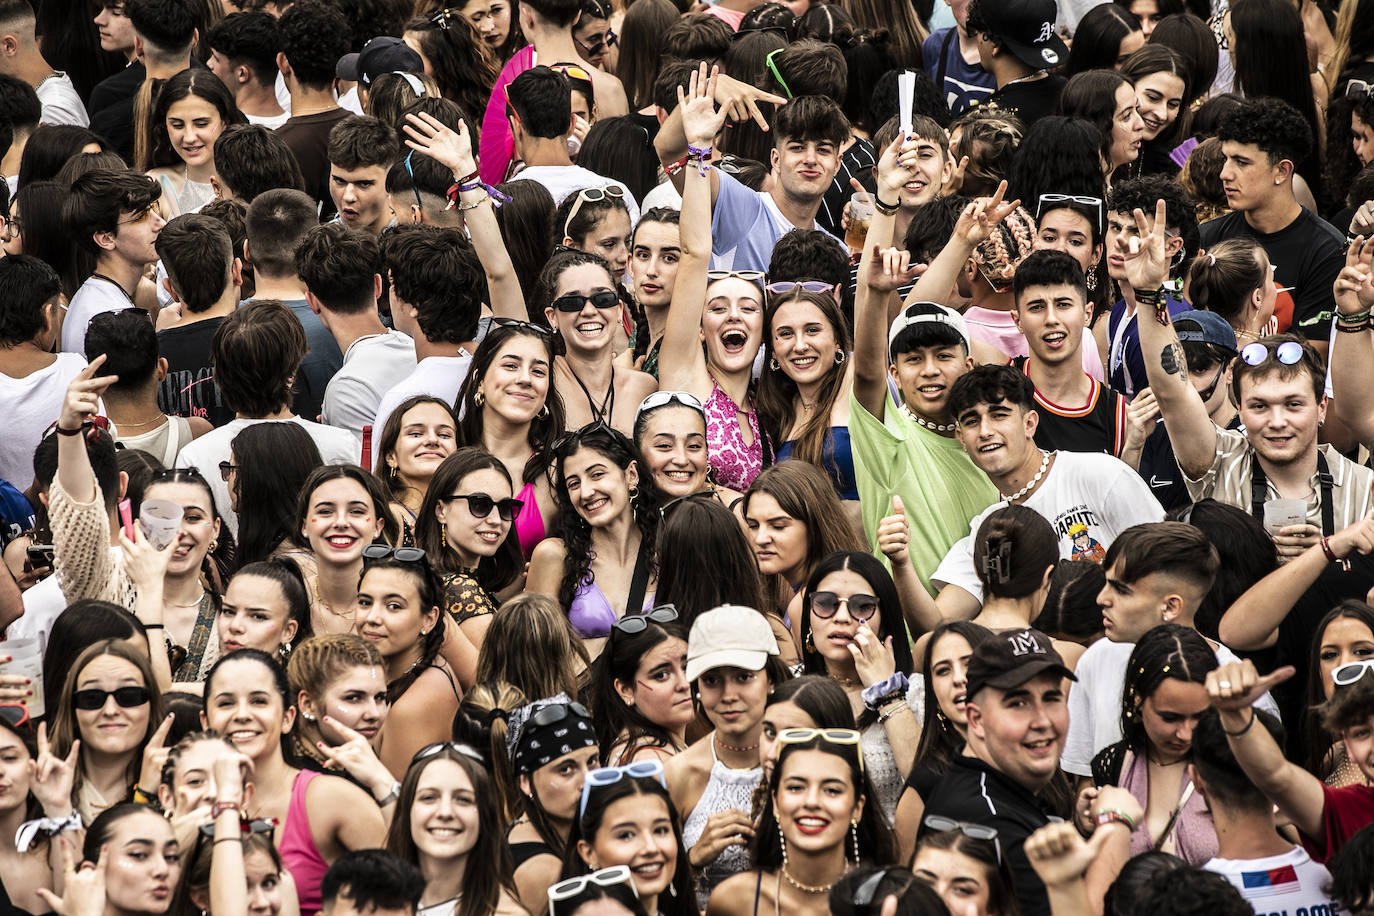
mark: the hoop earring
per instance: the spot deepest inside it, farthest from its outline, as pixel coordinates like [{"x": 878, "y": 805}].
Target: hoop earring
[
  {"x": 839, "y": 357},
  {"x": 854, "y": 836},
  {"x": 810, "y": 644},
  {"x": 544, "y": 411},
  {"x": 634, "y": 494},
  {"x": 284, "y": 650},
  {"x": 773, "y": 364},
  {"x": 479, "y": 399}
]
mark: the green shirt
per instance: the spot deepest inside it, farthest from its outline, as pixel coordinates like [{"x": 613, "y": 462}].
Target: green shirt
[{"x": 941, "y": 489}]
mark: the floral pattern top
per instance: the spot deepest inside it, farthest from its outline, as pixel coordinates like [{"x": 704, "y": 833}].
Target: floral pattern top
[{"x": 734, "y": 463}]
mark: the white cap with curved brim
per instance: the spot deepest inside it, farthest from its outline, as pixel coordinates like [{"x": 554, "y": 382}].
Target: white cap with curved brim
[
  {"x": 730, "y": 636},
  {"x": 905, "y": 319}
]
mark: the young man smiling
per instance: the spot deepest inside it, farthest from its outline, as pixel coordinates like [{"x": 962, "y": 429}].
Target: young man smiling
[
  {"x": 908, "y": 450},
  {"x": 807, "y": 133},
  {"x": 1278, "y": 385},
  {"x": 1089, "y": 499},
  {"x": 1077, "y": 412}
]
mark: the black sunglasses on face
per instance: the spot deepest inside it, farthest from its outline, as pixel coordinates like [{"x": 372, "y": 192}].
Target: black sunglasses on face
[
  {"x": 480, "y": 505},
  {"x": 125, "y": 697},
  {"x": 573, "y": 302},
  {"x": 827, "y": 604}
]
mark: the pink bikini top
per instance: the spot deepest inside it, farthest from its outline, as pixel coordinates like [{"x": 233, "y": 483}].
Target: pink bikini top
[{"x": 529, "y": 524}]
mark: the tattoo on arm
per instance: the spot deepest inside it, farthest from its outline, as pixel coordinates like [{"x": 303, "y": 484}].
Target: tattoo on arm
[{"x": 1172, "y": 360}]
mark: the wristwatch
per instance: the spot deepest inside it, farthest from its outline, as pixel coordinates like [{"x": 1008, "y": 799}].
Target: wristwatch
[{"x": 391, "y": 796}]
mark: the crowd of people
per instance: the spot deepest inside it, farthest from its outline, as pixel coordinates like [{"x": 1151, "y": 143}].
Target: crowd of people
[{"x": 522, "y": 457}]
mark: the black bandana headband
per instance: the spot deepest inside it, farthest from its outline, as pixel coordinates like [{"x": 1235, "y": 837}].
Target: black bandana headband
[{"x": 545, "y": 730}]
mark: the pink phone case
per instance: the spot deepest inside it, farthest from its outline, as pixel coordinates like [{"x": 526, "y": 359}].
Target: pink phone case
[{"x": 126, "y": 517}]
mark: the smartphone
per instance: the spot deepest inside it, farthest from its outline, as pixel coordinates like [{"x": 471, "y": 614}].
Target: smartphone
[{"x": 40, "y": 556}]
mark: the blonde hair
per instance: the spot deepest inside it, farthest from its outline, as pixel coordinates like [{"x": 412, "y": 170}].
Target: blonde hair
[
  {"x": 318, "y": 662},
  {"x": 486, "y": 708},
  {"x": 1222, "y": 278}
]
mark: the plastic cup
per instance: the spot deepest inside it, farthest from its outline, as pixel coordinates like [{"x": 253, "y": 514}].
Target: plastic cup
[
  {"x": 26, "y": 661},
  {"x": 1281, "y": 513},
  {"x": 860, "y": 215},
  {"x": 160, "y": 520}
]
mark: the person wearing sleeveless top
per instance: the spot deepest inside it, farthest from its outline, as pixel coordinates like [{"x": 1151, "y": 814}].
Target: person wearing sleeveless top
[
  {"x": 465, "y": 527},
  {"x": 419, "y": 434},
  {"x": 601, "y": 569},
  {"x": 732, "y": 664},
  {"x": 551, "y": 745},
  {"x": 724, "y": 309},
  {"x": 320, "y": 816},
  {"x": 640, "y": 700},
  {"x": 509, "y": 406}
]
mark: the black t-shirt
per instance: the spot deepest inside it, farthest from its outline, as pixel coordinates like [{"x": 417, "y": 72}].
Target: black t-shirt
[
  {"x": 1159, "y": 467},
  {"x": 1099, "y": 426},
  {"x": 1307, "y": 254},
  {"x": 308, "y": 138},
  {"x": 1030, "y": 100},
  {"x": 189, "y": 390},
  {"x": 973, "y": 792}
]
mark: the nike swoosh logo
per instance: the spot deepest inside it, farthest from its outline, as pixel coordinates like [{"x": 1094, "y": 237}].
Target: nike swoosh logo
[{"x": 1156, "y": 483}]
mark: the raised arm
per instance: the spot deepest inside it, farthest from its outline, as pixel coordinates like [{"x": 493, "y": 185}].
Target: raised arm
[
  {"x": 681, "y": 363},
  {"x": 1191, "y": 430},
  {"x": 1352, "y": 355},
  {"x": 1252, "y": 622},
  {"x": 74, "y": 471},
  {"x": 453, "y": 149},
  {"x": 737, "y": 100},
  {"x": 975, "y": 224},
  {"x": 1233, "y": 689},
  {"x": 882, "y": 270}
]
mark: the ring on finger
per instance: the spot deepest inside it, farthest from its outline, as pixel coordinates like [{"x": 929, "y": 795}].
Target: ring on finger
[{"x": 1224, "y": 685}]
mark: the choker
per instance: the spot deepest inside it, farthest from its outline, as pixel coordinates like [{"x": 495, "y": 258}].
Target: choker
[
  {"x": 731, "y": 747},
  {"x": 940, "y": 428},
  {"x": 1044, "y": 463}
]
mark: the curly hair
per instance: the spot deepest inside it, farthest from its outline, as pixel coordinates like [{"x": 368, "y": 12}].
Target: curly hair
[
  {"x": 1180, "y": 216},
  {"x": 1277, "y": 128},
  {"x": 314, "y": 35},
  {"x": 576, "y": 532}
]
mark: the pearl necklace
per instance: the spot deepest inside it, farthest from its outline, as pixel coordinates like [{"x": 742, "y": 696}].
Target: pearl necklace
[
  {"x": 807, "y": 888},
  {"x": 941, "y": 428},
  {"x": 1044, "y": 463}
]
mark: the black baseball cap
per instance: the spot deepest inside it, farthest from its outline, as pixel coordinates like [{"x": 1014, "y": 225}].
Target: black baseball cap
[
  {"x": 383, "y": 54},
  {"x": 1027, "y": 29},
  {"x": 1010, "y": 659}
]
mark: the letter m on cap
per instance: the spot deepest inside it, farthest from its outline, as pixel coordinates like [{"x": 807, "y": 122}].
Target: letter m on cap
[{"x": 1025, "y": 643}]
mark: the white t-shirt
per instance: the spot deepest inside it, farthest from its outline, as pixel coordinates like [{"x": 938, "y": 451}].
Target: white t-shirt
[
  {"x": 337, "y": 446},
  {"x": 1088, "y": 499},
  {"x": 272, "y": 122},
  {"x": 61, "y": 104},
  {"x": 436, "y": 376},
  {"x": 1287, "y": 883},
  {"x": 27, "y": 406},
  {"x": 1095, "y": 702},
  {"x": 95, "y": 297},
  {"x": 371, "y": 366},
  {"x": 42, "y": 605},
  {"x": 563, "y": 181}
]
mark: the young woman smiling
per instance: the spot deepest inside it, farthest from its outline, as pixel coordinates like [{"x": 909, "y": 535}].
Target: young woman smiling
[
  {"x": 341, "y": 510},
  {"x": 1162, "y": 84},
  {"x": 818, "y": 824},
  {"x": 733, "y": 665},
  {"x": 397, "y": 610},
  {"x": 724, "y": 309},
  {"x": 465, "y": 526},
  {"x": 852, "y": 630},
  {"x": 577, "y": 292},
  {"x": 804, "y": 391},
  {"x": 626, "y": 818},
  {"x": 448, "y": 823},
  {"x": 602, "y": 568},
  {"x": 339, "y": 684},
  {"x": 111, "y": 706},
  {"x": 509, "y": 406},
  {"x": 670, "y": 433},
  {"x": 193, "y": 108},
  {"x": 264, "y": 607},
  {"x": 320, "y": 817},
  {"x": 640, "y": 699},
  {"x": 1108, "y": 100},
  {"x": 420, "y": 433}
]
